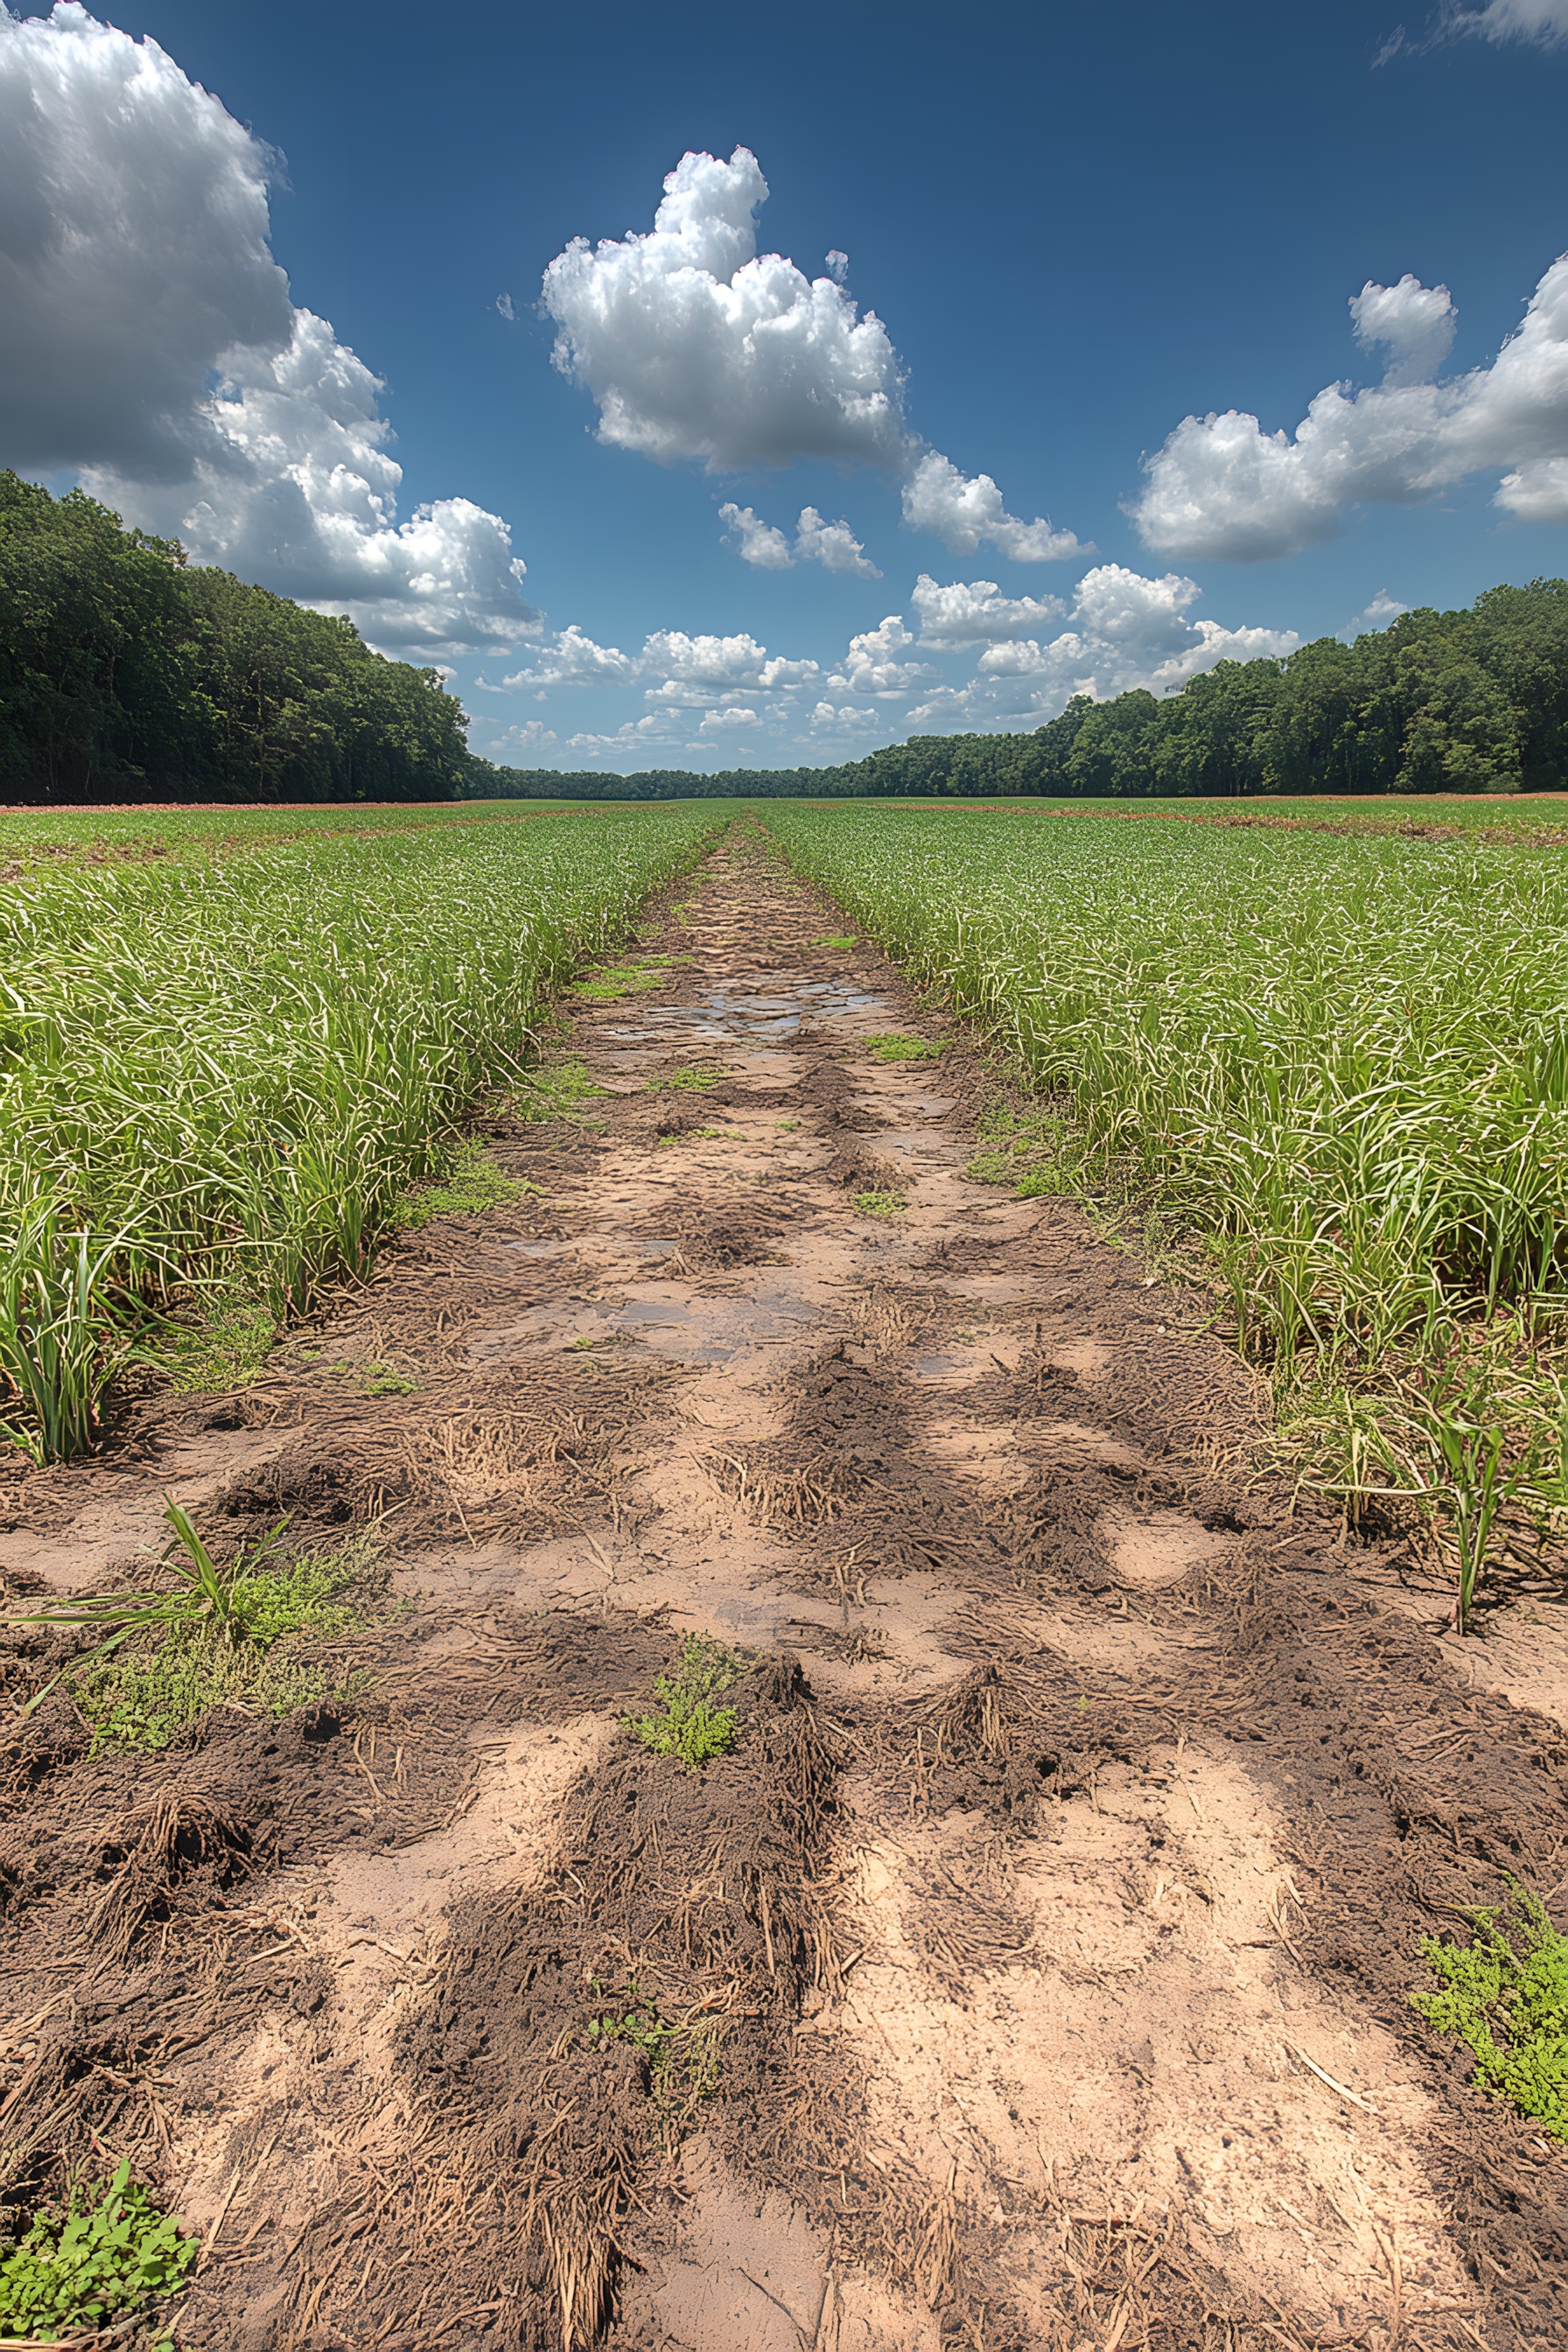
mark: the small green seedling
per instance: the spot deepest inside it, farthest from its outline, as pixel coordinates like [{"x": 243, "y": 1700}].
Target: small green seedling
[
  {"x": 787, "y": 1125},
  {"x": 905, "y": 1049},
  {"x": 1506, "y": 1997},
  {"x": 107, "y": 2252},
  {"x": 691, "y": 1727},
  {"x": 552, "y": 1090},
  {"x": 843, "y": 946},
  {"x": 692, "y": 1081},
  {"x": 880, "y": 1204},
  {"x": 606, "y": 983},
  {"x": 633, "y": 2018}
]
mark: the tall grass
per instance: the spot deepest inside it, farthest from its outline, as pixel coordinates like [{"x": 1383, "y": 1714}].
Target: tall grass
[
  {"x": 1344, "y": 1061},
  {"x": 232, "y": 1070}
]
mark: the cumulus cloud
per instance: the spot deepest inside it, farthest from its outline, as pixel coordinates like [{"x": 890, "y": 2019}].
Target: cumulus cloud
[
  {"x": 717, "y": 722},
  {"x": 1223, "y": 487},
  {"x": 976, "y": 611},
  {"x": 965, "y": 512},
  {"x": 1413, "y": 323},
  {"x": 151, "y": 345},
  {"x": 1123, "y": 630},
  {"x": 1383, "y": 609},
  {"x": 872, "y": 666},
  {"x": 693, "y": 345},
  {"x": 760, "y": 543},
  {"x": 832, "y": 544}
]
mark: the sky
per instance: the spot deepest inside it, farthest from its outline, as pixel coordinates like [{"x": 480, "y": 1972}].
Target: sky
[{"x": 712, "y": 389}]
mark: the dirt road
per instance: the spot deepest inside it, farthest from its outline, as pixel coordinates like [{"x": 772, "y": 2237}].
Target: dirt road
[{"x": 1032, "y": 1969}]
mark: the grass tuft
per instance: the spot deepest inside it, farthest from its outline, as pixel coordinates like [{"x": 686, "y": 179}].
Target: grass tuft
[
  {"x": 1505, "y": 1995},
  {"x": 905, "y": 1049},
  {"x": 880, "y": 1204},
  {"x": 689, "y": 1725},
  {"x": 472, "y": 1184}
]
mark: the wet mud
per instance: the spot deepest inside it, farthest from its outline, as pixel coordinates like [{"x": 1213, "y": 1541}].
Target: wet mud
[{"x": 1032, "y": 1967}]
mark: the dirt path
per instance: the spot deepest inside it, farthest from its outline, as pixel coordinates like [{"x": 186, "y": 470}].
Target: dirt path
[{"x": 1032, "y": 1970}]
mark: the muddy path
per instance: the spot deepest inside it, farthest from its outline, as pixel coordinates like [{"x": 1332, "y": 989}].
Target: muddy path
[{"x": 1031, "y": 1970}]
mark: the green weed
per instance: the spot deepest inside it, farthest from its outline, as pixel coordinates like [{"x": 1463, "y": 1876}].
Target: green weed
[
  {"x": 227, "y": 1635},
  {"x": 880, "y": 1204},
  {"x": 689, "y": 1727},
  {"x": 1505, "y": 1995},
  {"x": 692, "y": 1081},
  {"x": 552, "y": 1090},
  {"x": 227, "y": 1349},
  {"x": 107, "y": 2252},
  {"x": 472, "y": 1184},
  {"x": 905, "y": 1049},
  {"x": 631, "y": 2016},
  {"x": 843, "y": 946},
  {"x": 607, "y": 982}
]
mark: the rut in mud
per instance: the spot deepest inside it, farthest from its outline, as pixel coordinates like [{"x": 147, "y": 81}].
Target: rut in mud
[{"x": 1031, "y": 1971}]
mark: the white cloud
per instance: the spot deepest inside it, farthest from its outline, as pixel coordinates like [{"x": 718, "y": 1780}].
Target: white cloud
[
  {"x": 572, "y": 658},
  {"x": 525, "y": 744},
  {"x": 1545, "y": 21},
  {"x": 715, "y": 722},
  {"x": 965, "y": 511},
  {"x": 713, "y": 664},
  {"x": 507, "y": 307},
  {"x": 760, "y": 543},
  {"x": 832, "y": 544},
  {"x": 134, "y": 271},
  {"x": 1222, "y": 486},
  {"x": 1413, "y": 324},
  {"x": 1124, "y": 630},
  {"x": 871, "y": 665},
  {"x": 693, "y": 345},
  {"x": 1383, "y": 609},
  {"x": 976, "y": 611}
]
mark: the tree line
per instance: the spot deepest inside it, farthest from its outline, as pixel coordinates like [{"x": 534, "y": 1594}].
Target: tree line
[
  {"x": 1467, "y": 701},
  {"x": 127, "y": 674}
]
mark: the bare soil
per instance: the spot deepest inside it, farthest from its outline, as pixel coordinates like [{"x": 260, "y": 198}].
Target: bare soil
[{"x": 1033, "y": 1969}]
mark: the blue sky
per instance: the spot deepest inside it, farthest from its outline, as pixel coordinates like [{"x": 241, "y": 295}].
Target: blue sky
[{"x": 1077, "y": 228}]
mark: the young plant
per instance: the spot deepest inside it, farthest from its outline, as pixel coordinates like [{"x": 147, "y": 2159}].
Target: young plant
[
  {"x": 880, "y": 1204},
  {"x": 107, "y": 2252},
  {"x": 1506, "y": 1997},
  {"x": 689, "y": 1725}
]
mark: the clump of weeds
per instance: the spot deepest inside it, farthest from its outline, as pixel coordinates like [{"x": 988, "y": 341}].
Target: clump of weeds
[
  {"x": 688, "y": 1725},
  {"x": 552, "y": 1091},
  {"x": 226, "y": 1349},
  {"x": 378, "y": 1379},
  {"x": 1026, "y": 1149},
  {"x": 473, "y": 1183},
  {"x": 843, "y": 946},
  {"x": 229, "y": 1632},
  {"x": 104, "y": 2254},
  {"x": 694, "y": 1080},
  {"x": 905, "y": 1049},
  {"x": 607, "y": 982},
  {"x": 1505, "y": 1995},
  {"x": 683, "y": 2058},
  {"x": 880, "y": 1204}
]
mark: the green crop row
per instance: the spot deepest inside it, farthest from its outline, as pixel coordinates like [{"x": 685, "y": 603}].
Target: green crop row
[
  {"x": 1345, "y": 1062},
  {"x": 229, "y": 1071}
]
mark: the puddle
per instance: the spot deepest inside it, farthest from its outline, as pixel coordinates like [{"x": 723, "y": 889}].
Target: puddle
[{"x": 717, "y": 1330}]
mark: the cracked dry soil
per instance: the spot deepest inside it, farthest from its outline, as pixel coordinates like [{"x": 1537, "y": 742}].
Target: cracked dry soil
[{"x": 1032, "y": 1970}]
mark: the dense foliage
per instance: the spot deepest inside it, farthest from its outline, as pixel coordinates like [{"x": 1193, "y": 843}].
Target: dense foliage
[
  {"x": 1471, "y": 701},
  {"x": 1345, "y": 1061},
  {"x": 126, "y": 674},
  {"x": 220, "y": 1081}
]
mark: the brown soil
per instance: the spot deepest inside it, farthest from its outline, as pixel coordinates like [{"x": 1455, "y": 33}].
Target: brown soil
[{"x": 1032, "y": 1970}]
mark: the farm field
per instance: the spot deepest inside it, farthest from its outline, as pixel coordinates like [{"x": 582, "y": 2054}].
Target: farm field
[
  {"x": 30, "y": 835},
  {"x": 803, "y": 1726}
]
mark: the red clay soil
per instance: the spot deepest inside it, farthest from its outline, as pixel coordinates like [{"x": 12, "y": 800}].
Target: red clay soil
[{"x": 1032, "y": 1969}]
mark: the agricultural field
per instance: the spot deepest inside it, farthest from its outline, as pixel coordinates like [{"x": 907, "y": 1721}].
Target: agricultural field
[
  {"x": 784, "y": 1576},
  {"x": 34, "y": 836}
]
